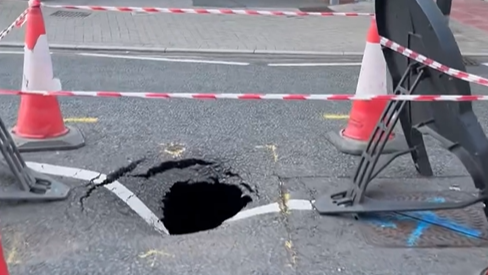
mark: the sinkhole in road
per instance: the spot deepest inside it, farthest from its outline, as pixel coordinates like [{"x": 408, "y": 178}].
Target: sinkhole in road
[
  {"x": 194, "y": 205},
  {"x": 190, "y": 207}
]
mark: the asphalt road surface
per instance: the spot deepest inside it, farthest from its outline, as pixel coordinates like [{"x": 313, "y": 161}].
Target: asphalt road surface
[{"x": 278, "y": 148}]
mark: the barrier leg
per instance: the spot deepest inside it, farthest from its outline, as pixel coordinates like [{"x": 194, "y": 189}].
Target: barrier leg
[{"x": 31, "y": 185}]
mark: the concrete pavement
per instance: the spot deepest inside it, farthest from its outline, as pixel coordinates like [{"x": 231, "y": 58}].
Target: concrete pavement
[
  {"x": 189, "y": 32},
  {"x": 263, "y": 141}
]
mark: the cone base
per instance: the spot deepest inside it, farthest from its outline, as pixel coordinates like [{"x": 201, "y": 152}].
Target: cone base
[
  {"x": 3, "y": 262},
  {"x": 57, "y": 191},
  {"x": 356, "y": 147},
  {"x": 483, "y": 272},
  {"x": 73, "y": 139}
]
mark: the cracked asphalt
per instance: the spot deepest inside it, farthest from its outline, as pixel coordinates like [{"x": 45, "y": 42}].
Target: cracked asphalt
[{"x": 277, "y": 146}]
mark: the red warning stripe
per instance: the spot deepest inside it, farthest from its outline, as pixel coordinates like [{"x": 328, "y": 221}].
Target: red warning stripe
[{"x": 35, "y": 25}]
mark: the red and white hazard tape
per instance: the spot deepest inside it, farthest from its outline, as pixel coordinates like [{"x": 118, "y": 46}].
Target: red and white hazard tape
[
  {"x": 206, "y": 11},
  {"x": 288, "y": 97},
  {"x": 434, "y": 64},
  {"x": 384, "y": 41},
  {"x": 19, "y": 22},
  {"x": 330, "y": 97}
]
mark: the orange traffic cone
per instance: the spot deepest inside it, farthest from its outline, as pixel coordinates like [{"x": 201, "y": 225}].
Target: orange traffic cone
[
  {"x": 40, "y": 124},
  {"x": 3, "y": 263},
  {"x": 365, "y": 114}
]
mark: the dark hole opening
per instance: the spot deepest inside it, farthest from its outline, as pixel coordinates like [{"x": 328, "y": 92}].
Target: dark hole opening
[{"x": 199, "y": 206}]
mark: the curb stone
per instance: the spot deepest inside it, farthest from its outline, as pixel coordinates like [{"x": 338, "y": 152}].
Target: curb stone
[
  {"x": 178, "y": 50},
  {"x": 196, "y": 50}
]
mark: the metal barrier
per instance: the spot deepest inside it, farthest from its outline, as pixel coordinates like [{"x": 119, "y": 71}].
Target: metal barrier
[
  {"x": 32, "y": 186},
  {"x": 420, "y": 26},
  {"x": 445, "y": 7}
]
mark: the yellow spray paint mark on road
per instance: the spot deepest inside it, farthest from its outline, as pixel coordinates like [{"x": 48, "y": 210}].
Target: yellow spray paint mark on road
[
  {"x": 286, "y": 198},
  {"x": 335, "y": 116},
  {"x": 153, "y": 254},
  {"x": 12, "y": 254},
  {"x": 273, "y": 150},
  {"x": 283, "y": 203},
  {"x": 174, "y": 149},
  {"x": 291, "y": 250},
  {"x": 81, "y": 119}
]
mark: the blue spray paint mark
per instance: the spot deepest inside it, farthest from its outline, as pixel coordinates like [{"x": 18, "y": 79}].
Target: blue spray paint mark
[
  {"x": 425, "y": 219},
  {"x": 421, "y": 225},
  {"x": 417, "y": 233},
  {"x": 429, "y": 219},
  {"x": 470, "y": 232},
  {"x": 438, "y": 199},
  {"x": 381, "y": 223}
]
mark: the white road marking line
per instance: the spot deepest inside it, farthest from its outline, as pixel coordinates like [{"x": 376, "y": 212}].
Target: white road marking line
[
  {"x": 115, "y": 187},
  {"x": 300, "y": 205},
  {"x": 336, "y": 64},
  {"x": 256, "y": 211},
  {"x": 271, "y": 208},
  {"x": 217, "y": 62},
  {"x": 11, "y": 52},
  {"x": 486, "y": 64},
  {"x": 15, "y": 52},
  {"x": 140, "y": 208}
]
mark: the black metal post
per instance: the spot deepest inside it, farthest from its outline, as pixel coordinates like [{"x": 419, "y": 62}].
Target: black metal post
[{"x": 445, "y": 7}]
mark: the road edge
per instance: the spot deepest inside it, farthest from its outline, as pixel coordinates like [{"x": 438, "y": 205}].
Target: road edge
[
  {"x": 178, "y": 50},
  {"x": 197, "y": 50}
]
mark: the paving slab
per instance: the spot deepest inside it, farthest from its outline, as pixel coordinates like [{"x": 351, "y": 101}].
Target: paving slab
[
  {"x": 190, "y": 32},
  {"x": 472, "y": 13}
]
